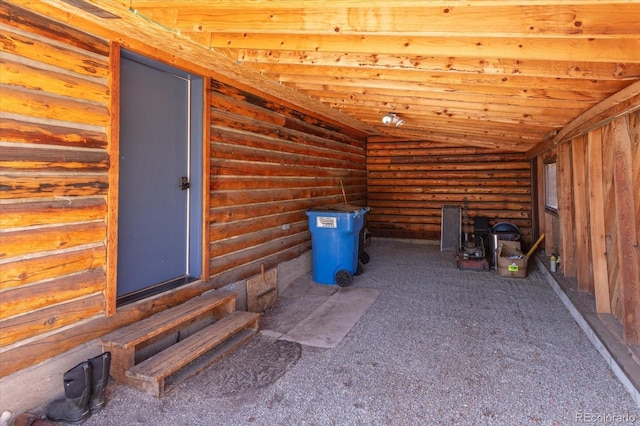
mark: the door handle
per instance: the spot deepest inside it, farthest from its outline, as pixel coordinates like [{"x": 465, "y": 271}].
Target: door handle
[{"x": 184, "y": 183}]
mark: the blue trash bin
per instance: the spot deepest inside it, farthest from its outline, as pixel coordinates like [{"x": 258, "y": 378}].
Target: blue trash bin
[{"x": 335, "y": 242}]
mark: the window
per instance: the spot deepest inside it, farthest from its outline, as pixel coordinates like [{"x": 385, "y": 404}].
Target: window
[{"x": 551, "y": 186}]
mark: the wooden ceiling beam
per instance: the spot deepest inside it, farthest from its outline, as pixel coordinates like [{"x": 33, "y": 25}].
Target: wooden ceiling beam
[
  {"x": 596, "y": 49},
  {"x": 338, "y": 93},
  {"x": 451, "y": 91},
  {"x": 542, "y": 119},
  {"x": 414, "y": 104},
  {"x": 523, "y": 20},
  {"x": 451, "y": 64},
  {"x": 287, "y": 72}
]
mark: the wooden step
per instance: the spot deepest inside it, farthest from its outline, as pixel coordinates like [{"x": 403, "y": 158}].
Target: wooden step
[
  {"x": 224, "y": 335},
  {"x": 130, "y": 345},
  {"x": 219, "y": 304}
]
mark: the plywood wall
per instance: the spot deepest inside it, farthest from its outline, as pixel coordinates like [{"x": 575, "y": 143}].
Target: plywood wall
[
  {"x": 409, "y": 182},
  {"x": 597, "y": 227},
  {"x": 53, "y": 175}
]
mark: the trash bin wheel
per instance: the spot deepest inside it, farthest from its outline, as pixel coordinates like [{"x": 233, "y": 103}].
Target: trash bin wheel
[
  {"x": 364, "y": 258},
  {"x": 344, "y": 278}
]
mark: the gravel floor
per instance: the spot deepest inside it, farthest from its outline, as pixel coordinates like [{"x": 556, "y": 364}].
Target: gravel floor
[{"x": 439, "y": 346}]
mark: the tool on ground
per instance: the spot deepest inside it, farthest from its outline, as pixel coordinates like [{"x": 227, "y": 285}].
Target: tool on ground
[{"x": 535, "y": 246}]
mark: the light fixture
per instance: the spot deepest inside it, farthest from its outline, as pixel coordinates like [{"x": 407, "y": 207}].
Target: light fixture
[{"x": 392, "y": 118}]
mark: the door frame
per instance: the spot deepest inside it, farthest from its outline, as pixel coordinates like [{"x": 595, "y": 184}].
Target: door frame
[{"x": 199, "y": 161}]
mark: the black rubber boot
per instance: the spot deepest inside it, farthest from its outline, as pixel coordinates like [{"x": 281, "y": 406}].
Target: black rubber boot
[
  {"x": 100, "y": 367},
  {"x": 74, "y": 407}
]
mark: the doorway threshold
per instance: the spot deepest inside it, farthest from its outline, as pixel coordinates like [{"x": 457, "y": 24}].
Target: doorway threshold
[{"x": 154, "y": 290}]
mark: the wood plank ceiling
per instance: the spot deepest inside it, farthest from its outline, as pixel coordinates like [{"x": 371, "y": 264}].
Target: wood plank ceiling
[{"x": 502, "y": 74}]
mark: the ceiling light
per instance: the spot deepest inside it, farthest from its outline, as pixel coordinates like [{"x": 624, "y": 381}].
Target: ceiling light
[{"x": 392, "y": 118}]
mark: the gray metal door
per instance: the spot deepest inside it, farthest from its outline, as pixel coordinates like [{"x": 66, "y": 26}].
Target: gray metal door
[{"x": 153, "y": 216}]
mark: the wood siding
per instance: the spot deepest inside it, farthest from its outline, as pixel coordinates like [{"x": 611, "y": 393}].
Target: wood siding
[
  {"x": 268, "y": 165},
  {"x": 267, "y": 162},
  {"x": 409, "y": 182},
  {"x": 53, "y": 175},
  {"x": 598, "y": 242}
]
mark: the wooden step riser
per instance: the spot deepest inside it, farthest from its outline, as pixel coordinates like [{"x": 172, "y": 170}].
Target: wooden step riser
[
  {"x": 178, "y": 362},
  {"x": 163, "y": 386},
  {"x": 162, "y": 323},
  {"x": 127, "y": 344}
]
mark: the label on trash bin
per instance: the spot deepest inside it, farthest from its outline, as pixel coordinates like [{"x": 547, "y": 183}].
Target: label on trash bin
[
  {"x": 326, "y": 222},
  {"x": 513, "y": 267}
]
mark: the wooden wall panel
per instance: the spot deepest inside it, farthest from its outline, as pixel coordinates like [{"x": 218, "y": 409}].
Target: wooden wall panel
[
  {"x": 53, "y": 175},
  {"x": 628, "y": 251},
  {"x": 268, "y": 165},
  {"x": 409, "y": 182},
  {"x": 580, "y": 190},
  {"x": 599, "y": 216}
]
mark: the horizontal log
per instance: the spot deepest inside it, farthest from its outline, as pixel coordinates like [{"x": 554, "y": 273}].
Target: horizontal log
[
  {"x": 256, "y": 155},
  {"x": 238, "y": 259},
  {"x": 450, "y": 166},
  {"x": 39, "y": 49},
  {"x": 52, "y": 212},
  {"x": 34, "y": 104},
  {"x": 428, "y": 205},
  {"x": 450, "y": 198},
  {"x": 480, "y": 180},
  {"x": 471, "y": 154},
  {"x": 433, "y": 235},
  {"x": 14, "y": 130},
  {"x": 246, "y": 111},
  {"x": 447, "y": 174},
  {"x": 253, "y": 225},
  {"x": 35, "y": 297},
  {"x": 14, "y": 186},
  {"x": 380, "y": 211},
  {"x": 17, "y": 158},
  {"x": 235, "y": 213},
  {"x": 254, "y": 239},
  {"x": 49, "y": 319},
  {"x": 45, "y": 27},
  {"x": 249, "y": 182},
  {"x": 26, "y": 242},
  {"x": 281, "y": 108},
  {"x": 282, "y": 142},
  {"x": 401, "y": 157},
  {"x": 27, "y": 271},
  {"x": 28, "y": 76},
  {"x": 478, "y": 188},
  {"x": 243, "y": 168},
  {"x": 235, "y": 198}
]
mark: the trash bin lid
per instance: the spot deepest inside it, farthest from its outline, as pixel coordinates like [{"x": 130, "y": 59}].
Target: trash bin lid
[
  {"x": 340, "y": 208},
  {"x": 505, "y": 227}
]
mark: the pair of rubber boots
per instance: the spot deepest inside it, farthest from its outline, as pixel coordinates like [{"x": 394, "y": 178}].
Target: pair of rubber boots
[{"x": 84, "y": 391}]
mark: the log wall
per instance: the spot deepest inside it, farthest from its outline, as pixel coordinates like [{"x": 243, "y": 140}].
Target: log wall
[
  {"x": 58, "y": 128},
  {"x": 409, "y": 182},
  {"x": 597, "y": 226},
  {"x": 268, "y": 165},
  {"x": 53, "y": 175}
]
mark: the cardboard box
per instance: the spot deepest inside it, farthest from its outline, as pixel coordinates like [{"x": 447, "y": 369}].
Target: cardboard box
[{"x": 512, "y": 263}]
